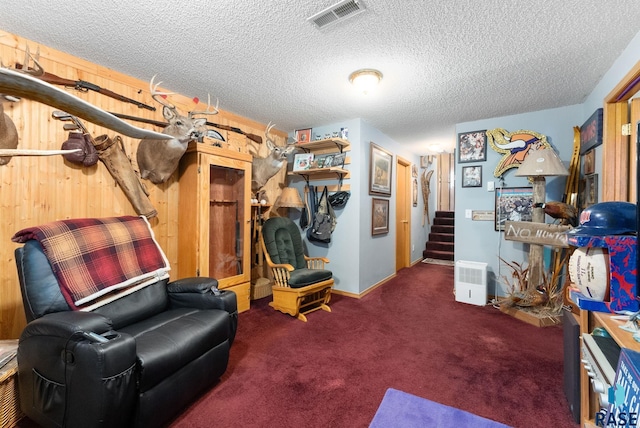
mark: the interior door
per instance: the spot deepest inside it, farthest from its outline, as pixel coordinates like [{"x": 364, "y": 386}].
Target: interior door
[
  {"x": 445, "y": 182},
  {"x": 403, "y": 213}
]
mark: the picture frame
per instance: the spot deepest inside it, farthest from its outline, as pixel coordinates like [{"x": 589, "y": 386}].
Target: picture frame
[
  {"x": 472, "y": 176},
  {"x": 303, "y": 136},
  {"x": 512, "y": 204},
  {"x": 380, "y": 170},
  {"x": 379, "y": 216},
  {"x": 472, "y": 146},
  {"x": 425, "y": 161},
  {"x": 414, "y": 192},
  {"x": 338, "y": 160},
  {"x": 302, "y": 161},
  {"x": 590, "y": 162},
  {"x": 590, "y": 190}
]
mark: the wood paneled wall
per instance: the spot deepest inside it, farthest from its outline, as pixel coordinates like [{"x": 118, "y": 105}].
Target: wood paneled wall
[{"x": 38, "y": 189}]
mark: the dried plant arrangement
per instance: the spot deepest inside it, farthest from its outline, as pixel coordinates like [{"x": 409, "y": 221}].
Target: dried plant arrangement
[{"x": 544, "y": 300}]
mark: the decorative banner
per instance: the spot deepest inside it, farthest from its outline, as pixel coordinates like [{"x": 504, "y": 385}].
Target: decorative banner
[
  {"x": 591, "y": 132},
  {"x": 483, "y": 215},
  {"x": 515, "y": 146}
]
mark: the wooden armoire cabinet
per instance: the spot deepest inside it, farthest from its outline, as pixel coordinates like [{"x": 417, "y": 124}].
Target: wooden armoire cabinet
[{"x": 214, "y": 219}]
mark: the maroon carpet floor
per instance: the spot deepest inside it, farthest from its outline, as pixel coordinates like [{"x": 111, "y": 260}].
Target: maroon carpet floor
[{"x": 409, "y": 334}]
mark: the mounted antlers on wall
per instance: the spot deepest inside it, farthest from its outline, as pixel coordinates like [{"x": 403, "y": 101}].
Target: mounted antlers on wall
[
  {"x": 262, "y": 169},
  {"x": 157, "y": 160}
]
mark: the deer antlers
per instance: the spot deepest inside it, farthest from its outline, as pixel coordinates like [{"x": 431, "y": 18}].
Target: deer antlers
[{"x": 160, "y": 98}]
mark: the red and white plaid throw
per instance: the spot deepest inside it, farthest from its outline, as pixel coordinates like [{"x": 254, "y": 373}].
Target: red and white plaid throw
[{"x": 92, "y": 257}]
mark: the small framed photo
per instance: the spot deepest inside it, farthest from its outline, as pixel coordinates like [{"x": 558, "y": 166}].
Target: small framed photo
[
  {"x": 303, "y": 135},
  {"x": 379, "y": 216},
  {"x": 380, "y": 170},
  {"x": 513, "y": 204},
  {"x": 338, "y": 160},
  {"x": 324, "y": 161},
  {"x": 591, "y": 190},
  {"x": 472, "y": 146},
  {"x": 471, "y": 176},
  {"x": 425, "y": 161},
  {"x": 590, "y": 162},
  {"x": 302, "y": 161}
]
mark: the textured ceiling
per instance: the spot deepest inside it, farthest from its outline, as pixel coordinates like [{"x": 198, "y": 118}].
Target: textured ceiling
[{"x": 443, "y": 62}]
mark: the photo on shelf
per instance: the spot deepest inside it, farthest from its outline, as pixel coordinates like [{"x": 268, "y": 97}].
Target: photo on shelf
[
  {"x": 303, "y": 135},
  {"x": 302, "y": 161}
]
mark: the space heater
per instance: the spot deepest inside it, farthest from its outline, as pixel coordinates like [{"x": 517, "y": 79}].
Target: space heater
[{"x": 471, "y": 282}]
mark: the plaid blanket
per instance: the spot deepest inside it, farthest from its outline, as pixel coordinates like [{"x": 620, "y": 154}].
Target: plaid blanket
[{"x": 101, "y": 259}]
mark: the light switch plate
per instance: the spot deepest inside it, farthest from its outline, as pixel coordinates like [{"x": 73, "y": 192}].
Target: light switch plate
[
  {"x": 491, "y": 186},
  {"x": 467, "y": 213}
]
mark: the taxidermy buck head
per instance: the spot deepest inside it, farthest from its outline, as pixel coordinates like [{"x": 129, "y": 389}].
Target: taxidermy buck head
[
  {"x": 262, "y": 169},
  {"x": 8, "y": 131},
  {"x": 158, "y": 159}
]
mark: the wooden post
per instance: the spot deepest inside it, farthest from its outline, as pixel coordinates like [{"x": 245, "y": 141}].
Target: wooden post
[{"x": 536, "y": 262}]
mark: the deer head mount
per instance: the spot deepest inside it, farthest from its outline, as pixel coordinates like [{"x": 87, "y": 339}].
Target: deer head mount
[
  {"x": 262, "y": 169},
  {"x": 8, "y": 131},
  {"x": 158, "y": 159}
]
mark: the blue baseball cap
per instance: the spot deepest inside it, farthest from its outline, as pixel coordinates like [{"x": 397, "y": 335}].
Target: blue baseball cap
[{"x": 607, "y": 218}]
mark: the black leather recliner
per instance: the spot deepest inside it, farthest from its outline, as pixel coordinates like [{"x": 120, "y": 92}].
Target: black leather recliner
[{"x": 165, "y": 344}]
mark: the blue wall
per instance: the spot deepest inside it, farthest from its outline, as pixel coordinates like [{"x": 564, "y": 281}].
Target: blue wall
[
  {"x": 477, "y": 241},
  {"x": 358, "y": 259}
]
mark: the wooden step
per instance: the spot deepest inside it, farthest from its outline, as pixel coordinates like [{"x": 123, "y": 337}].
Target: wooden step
[
  {"x": 440, "y": 246},
  {"x": 444, "y": 221},
  {"x": 440, "y": 228},
  {"x": 450, "y": 214},
  {"x": 435, "y": 254},
  {"x": 441, "y": 237}
]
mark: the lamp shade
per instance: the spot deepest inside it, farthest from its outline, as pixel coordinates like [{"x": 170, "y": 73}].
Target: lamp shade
[
  {"x": 541, "y": 163},
  {"x": 290, "y": 198}
]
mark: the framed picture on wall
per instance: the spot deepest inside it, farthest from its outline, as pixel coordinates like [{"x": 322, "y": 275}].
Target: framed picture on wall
[
  {"x": 471, "y": 176},
  {"x": 303, "y": 135},
  {"x": 513, "y": 204},
  {"x": 472, "y": 146},
  {"x": 379, "y": 216},
  {"x": 380, "y": 170}
]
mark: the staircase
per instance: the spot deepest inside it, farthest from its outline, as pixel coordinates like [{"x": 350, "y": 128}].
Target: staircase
[{"x": 440, "y": 243}]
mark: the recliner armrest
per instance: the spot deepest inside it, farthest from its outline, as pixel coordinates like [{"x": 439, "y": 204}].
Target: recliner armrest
[
  {"x": 197, "y": 293},
  {"x": 65, "y": 324},
  {"x": 67, "y": 379}
]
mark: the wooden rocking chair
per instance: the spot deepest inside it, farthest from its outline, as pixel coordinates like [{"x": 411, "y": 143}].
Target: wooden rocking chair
[{"x": 301, "y": 284}]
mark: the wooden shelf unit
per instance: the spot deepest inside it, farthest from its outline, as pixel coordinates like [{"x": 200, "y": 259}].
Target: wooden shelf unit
[
  {"x": 325, "y": 146},
  {"x": 588, "y": 321},
  {"x": 215, "y": 218}
]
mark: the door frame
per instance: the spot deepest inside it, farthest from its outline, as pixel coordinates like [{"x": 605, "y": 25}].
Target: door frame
[{"x": 403, "y": 213}]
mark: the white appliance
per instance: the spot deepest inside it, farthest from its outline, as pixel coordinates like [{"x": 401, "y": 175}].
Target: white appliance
[{"x": 471, "y": 282}]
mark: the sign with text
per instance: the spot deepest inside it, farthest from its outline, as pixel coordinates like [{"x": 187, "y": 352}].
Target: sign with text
[{"x": 536, "y": 233}]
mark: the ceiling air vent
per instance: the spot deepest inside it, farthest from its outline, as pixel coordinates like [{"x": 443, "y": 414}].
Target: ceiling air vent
[{"x": 338, "y": 12}]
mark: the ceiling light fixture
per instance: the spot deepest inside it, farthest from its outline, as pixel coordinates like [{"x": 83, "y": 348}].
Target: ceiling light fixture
[{"x": 365, "y": 80}]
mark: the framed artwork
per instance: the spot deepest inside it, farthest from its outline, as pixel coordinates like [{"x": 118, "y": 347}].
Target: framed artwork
[
  {"x": 425, "y": 161},
  {"x": 379, "y": 216},
  {"x": 590, "y": 162},
  {"x": 513, "y": 204},
  {"x": 303, "y": 135},
  {"x": 591, "y": 190},
  {"x": 472, "y": 146},
  {"x": 414, "y": 192},
  {"x": 302, "y": 161},
  {"x": 471, "y": 176},
  {"x": 591, "y": 132},
  {"x": 380, "y": 170}
]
